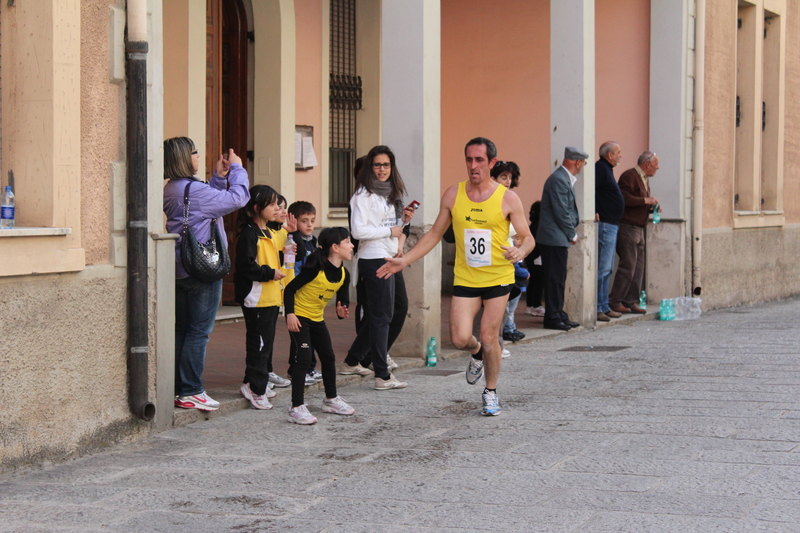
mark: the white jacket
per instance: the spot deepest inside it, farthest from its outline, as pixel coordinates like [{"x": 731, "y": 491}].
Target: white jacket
[{"x": 371, "y": 221}]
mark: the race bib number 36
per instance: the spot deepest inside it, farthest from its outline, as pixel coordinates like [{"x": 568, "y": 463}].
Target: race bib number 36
[{"x": 478, "y": 247}]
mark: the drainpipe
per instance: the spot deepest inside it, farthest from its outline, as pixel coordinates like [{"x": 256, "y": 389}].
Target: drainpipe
[
  {"x": 138, "y": 337},
  {"x": 699, "y": 143}
]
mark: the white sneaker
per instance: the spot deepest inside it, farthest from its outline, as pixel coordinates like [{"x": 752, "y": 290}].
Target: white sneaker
[
  {"x": 337, "y": 406},
  {"x": 202, "y": 402},
  {"x": 317, "y": 375},
  {"x": 347, "y": 370},
  {"x": 534, "y": 311},
  {"x": 258, "y": 401},
  {"x": 310, "y": 380},
  {"x": 278, "y": 381},
  {"x": 300, "y": 415},
  {"x": 505, "y": 353},
  {"x": 390, "y": 363},
  {"x": 388, "y": 384}
]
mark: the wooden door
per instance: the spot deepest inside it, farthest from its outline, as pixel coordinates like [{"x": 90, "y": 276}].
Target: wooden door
[{"x": 226, "y": 99}]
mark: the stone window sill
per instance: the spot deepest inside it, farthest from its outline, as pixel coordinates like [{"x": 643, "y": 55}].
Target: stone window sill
[{"x": 35, "y": 232}]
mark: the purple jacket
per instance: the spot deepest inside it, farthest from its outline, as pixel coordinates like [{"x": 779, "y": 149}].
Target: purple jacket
[{"x": 206, "y": 201}]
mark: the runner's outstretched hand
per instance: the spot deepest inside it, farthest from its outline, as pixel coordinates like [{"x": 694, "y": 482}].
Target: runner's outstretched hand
[{"x": 393, "y": 265}]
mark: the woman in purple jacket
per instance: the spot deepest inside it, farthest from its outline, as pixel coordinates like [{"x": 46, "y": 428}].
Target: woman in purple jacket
[{"x": 196, "y": 301}]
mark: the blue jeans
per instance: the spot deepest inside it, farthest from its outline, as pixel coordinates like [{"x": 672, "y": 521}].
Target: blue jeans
[
  {"x": 511, "y": 308},
  {"x": 196, "y": 304},
  {"x": 606, "y": 246}
]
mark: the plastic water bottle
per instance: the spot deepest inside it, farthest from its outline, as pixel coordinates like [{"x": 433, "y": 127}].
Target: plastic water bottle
[
  {"x": 667, "y": 310},
  {"x": 289, "y": 253},
  {"x": 430, "y": 356},
  {"x": 656, "y": 215},
  {"x": 643, "y": 300},
  {"x": 687, "y": 308},
  {"x": 7, "y": 210}
]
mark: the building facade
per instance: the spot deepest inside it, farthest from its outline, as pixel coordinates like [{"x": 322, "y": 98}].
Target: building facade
[{"x": 708, "y": 85}]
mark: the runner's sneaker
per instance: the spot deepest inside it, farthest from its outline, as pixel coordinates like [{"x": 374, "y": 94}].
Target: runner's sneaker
[
  {"x": 337, "y": 406},
  {"x": 310, "y": 379},
  {"x": 317, "y": 374},
  {"x": 278, "y": 381},
  {"x": 259, "y": 401},
  {"x": 201, "y": 401},
  {"x": 300, "y": 415},
  {"x": 388, "y": 384},
  {"x": 474, "y": 371},
  {"x": 505, "y": 354},
  {"x": 491, "y": 404},
  {"x": 534, "y": 311},
  {"x": 347, "y": 370},
  {"x": 390, "y": 363}
]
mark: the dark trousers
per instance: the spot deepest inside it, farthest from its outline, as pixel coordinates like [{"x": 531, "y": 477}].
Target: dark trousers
[
  {"x": 395, "y": 326},
  {"x": 630, "y": 270},
  {"x": 378, "y": 307},
  {"x": 554, "y": 266},
  {"x": 313, "y": 336},
  {"x": 259, "y": 338},
  {"x": 533, "y": 294},
  {"x": 293, "y": 357}
]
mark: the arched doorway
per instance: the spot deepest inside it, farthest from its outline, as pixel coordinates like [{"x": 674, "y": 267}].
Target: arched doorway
[{"x": 226, "y": 96}]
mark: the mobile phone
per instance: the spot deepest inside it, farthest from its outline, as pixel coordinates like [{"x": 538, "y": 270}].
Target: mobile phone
[{"x": 414, "y": 204}]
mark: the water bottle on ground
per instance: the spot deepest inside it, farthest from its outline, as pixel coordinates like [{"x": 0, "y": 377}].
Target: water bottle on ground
[
  {"x": 289, "y": 253},
  {"x": 430, "y": 356},
  {"x": 7, "y": 210},
  {"x": 687, "y": 308},
  {"x": 643, "y": 300},
  {"x": 667, "y": 310},
  {"x": 656, "y": 215}
]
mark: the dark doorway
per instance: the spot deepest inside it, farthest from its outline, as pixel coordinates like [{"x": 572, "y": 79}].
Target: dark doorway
[{"x": 226, "y": 98}]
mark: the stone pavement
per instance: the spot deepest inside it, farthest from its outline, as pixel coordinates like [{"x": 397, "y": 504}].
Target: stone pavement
[{"x": 646, "y": 427}]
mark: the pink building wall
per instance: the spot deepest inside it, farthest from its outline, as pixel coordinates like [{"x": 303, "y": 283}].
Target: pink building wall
[
  {"x": 622, "y": 77},
  {"x": 308, "y": 91},
  {"x": 496, "y": 84}
]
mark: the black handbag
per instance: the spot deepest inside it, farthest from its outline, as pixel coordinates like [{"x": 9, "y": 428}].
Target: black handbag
[{"x": 208, "y": 261}]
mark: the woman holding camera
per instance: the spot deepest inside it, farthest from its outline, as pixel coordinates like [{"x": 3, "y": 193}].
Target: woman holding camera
[{"x": 196, "y": 301}]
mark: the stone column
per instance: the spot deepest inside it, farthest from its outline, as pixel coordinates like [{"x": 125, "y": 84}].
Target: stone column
[
  {"x": 411, "y": 126},
  {"x": 572, "y": 123}
]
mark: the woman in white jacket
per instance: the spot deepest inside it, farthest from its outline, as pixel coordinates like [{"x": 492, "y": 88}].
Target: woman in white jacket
[{"x": 377, "y": 220}]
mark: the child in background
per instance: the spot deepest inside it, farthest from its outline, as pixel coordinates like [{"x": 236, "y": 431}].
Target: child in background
[
  {"x": 306, "y": 297},
  {"x": 280, "y": 234},
  {"x": 533, "y": 296},
  {"x": 305, "y": 214},
  {"x": 257, "y": 290},
  {"x": 521, "y": 276}
]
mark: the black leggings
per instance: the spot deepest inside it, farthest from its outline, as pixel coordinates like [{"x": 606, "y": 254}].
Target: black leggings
[
  {"x": 313, "y": 336},
  {"x": 259, "y": 338}
]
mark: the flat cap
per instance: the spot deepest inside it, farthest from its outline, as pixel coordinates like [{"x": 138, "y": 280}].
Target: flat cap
[{"x": 574, "y": 154}]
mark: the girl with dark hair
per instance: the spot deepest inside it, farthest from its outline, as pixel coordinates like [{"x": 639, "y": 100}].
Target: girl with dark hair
[
  {"x": 258, "y": 290},
  {"x": 306, "y": 297},
  {"x": 377, "y": 220},
  {"x": 196, "y": 301}
]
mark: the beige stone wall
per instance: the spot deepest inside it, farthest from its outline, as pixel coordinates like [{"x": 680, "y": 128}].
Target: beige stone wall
[
  {"x": 102, "y": 134},
  {"x": 64, "y": 382},
  {"x": 750, "y": 265},
  {"x": 791, "y": 154}
]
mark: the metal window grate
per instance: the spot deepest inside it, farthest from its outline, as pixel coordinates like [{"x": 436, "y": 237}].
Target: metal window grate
[{"x": 345, "y": 100}]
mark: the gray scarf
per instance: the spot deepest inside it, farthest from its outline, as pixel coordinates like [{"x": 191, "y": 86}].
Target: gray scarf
[{"x": 384, "y": 188}]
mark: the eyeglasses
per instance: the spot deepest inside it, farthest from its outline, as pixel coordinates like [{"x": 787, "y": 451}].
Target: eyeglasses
[
  {"x": 379, "y": 165},
  {"x": 500, "y": 163}
]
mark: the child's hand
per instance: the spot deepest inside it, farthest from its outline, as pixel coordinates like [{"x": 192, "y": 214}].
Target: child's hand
[
  {"x": 279, "y": 274},
  {"x": 341, "y": 310},
  {"x": 293, "y": 323},
  {"x": 291, "y": 223}
]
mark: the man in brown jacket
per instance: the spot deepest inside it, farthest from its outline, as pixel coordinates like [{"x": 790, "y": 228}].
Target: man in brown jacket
[{"x": 635, "y": 187}]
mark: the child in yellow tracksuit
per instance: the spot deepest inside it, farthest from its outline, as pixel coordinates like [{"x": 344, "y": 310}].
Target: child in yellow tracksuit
[{"x": 257, "y": 283}]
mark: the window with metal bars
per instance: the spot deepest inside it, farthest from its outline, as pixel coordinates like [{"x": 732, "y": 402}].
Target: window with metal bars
[{"x": 345, "y": 100}]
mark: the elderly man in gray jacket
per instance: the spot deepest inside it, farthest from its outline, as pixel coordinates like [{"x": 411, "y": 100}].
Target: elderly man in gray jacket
[{"x": 558, "y": 222}]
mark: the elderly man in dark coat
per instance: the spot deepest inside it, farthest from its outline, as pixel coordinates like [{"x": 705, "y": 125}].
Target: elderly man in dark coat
[{"x": 558, "y": 222}]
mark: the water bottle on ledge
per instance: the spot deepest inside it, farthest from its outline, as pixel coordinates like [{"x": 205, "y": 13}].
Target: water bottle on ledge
[
  {"x": 643, "y": 300},
  {"x": 7, "y": 209},
  {"x": 656, "y": 215}
]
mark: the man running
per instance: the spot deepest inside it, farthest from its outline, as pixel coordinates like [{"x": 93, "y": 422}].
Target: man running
[{"x": 480, "y": 210}]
